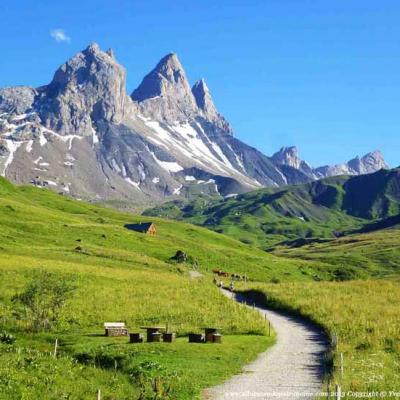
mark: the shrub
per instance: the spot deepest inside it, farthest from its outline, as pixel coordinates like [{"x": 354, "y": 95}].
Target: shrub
[
  {"x": 43, "y": 299},
  {"x": 154, "y": 380}
]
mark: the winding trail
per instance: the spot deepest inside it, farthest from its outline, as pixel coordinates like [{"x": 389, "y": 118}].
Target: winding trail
[{"x": 291, "y": 369}]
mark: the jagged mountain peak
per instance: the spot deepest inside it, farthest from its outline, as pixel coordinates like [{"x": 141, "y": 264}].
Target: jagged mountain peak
[
  {"x": 287, "y": 156},
  {"x": 368, "y": 163},
  {"x": 170, "y": 68},
  {"x": 92, "y": 48},
  {"x": 169, "y": 61},
  {"x": 165, "y": 95},
  {"x": 203, "y": 97},
  {"x": 376, "y": 154},
  {"x": 168, "y": 78},
  {"x": 205, "y": 104},
  {"x": 94, "y": 52},
  {"x": 87, "y": 88},
  {"x": 85, "y": 136},
  {"x": 288, "y": 150}
]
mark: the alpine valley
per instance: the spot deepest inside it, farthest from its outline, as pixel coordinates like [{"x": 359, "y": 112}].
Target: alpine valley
[
  {"x": 83, "y": 135},
  {"x": 317, "y": 248}
]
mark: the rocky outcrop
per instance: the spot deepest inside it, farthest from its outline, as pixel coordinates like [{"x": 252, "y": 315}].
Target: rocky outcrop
[
  {"x": 88, "y": 88},
  {"x": 369, "y": 163},
  {"x": 17, "y": 100},
  {"x": 289, "y": 156}
]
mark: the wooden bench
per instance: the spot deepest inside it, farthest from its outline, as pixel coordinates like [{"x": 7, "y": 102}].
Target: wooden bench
[
  {"x": 115, "y": 329},
  {"x": 196, "y": 338},
  {"x": 136, "y": 337}
]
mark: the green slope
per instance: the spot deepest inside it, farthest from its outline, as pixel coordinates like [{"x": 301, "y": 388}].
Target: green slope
[
  {"x": 375, "y": 254},
  {"x": 320, "y": 209},
  {"x": 40, "y": 223},
  {"x": 121, "y": 275}
]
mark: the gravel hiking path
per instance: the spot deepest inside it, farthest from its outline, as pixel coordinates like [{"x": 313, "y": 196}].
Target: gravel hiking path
[{"x": 290, "y": 369}]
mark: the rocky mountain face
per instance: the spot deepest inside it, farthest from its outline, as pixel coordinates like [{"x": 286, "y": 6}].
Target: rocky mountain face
[
  {"x": 369, "y": 163},
  {"x": 88, "y": 88},
  {"x": 83, "y": 135}
]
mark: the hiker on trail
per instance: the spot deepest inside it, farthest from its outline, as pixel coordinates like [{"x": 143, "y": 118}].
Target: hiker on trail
[{"x": 231, "y": 286}]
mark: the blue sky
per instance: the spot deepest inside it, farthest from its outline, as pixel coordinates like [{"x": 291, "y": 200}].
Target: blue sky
[{"x": 320, "y": 74}]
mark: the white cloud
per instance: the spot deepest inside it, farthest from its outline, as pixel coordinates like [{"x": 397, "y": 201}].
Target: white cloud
[{"x": 60, "y": 36}]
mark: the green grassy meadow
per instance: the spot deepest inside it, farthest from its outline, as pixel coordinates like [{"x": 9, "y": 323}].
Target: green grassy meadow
[
  {"x": 119, "y": 275},
  {"x": 362, "y": 317},
  {"x": 359, "y": 256},
  {"x": 122, "y": 275}
]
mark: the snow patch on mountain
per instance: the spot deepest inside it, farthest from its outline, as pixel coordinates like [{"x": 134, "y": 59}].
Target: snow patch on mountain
[
  {"x": 12, "y": 147},
  {"x": 170, "y": 166},
  {"x": 133, "y": 183}
]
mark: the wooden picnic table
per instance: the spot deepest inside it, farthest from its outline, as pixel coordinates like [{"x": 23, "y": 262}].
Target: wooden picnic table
[
  {"x": 210, "y": 332},
  {"x": 152, "y": 330}
]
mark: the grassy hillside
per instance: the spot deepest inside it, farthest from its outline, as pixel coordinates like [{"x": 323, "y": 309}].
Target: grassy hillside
[
  {"x": 119, "y": 275},
  {"x": 41, "y": 223},
  {"x": 262, "y": 218},
  {"x": 374, "y": 254},
  {"x": 321, "y": 209},
  {"x": 361, "y": 317}
]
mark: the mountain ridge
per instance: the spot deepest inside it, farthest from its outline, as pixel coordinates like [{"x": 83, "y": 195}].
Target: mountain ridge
[
  {"x": 83, "y": 135},
  {"x": 322, "y": 209}
]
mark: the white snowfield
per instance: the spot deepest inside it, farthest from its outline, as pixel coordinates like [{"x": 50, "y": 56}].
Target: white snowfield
[
  {"x": 12, "y": 147},
  {"x": 13, "y": 143},
  {"x": 170, "y": 166},
  {"x": 186, "y": 141},
  {"x": 291, "y": 369}
]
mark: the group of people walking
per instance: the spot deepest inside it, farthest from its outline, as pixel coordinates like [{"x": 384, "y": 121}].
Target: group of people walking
[{"x": 220, "y": 284}]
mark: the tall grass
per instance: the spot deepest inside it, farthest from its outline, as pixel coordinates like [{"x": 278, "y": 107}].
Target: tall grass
[{"x": 364, "y": 316}]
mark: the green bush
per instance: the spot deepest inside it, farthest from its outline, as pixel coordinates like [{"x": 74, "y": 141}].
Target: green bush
[{"x": 43, "y": 299}]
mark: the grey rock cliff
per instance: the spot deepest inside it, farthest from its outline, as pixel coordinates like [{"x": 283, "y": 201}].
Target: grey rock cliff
[
  {"x": 165, "y": 95},
  {"x": 17, "y": 100},
  {"x": 207, "y": 108},
  {"x": 88, "y": 88}
]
